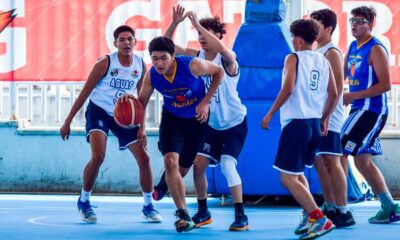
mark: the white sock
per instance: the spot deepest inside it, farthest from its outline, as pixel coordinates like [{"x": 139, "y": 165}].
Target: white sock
[
  {"x": 85, "y": 196},
  {"x": 147, "y": 198},
  {"x": 343, "y": 209}
]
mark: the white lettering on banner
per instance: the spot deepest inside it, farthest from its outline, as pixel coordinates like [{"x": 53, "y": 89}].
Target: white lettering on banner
[
  {"x": 14, "y": 38},
  {"x": 382, "y": 25},
  {"x": 152, "y": 10},
  {"x": 120, "y": 14},
  {"x": 231, "y": 8}
]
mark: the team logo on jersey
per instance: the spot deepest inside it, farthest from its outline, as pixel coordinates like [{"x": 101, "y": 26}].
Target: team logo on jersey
[
  {"x": 353, "y": 65},
  {"x": 135, "y": 73},
  {"x": 114, "y": 72}
]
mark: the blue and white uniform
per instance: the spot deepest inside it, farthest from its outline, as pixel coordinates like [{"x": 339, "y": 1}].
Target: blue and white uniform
[
  {"x": 117, "y": 81},
  {"x": 360, "y": 132},
  {"x": 227, "y": 124},
  {"x": 300, "y": 115}
]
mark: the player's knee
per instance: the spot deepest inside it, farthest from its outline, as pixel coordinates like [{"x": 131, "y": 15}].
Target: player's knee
[
  {"x": 200, "y": 165},
  {"x": 171, "y": 163},
  {"x": 98, "y": 158},
  {"x": 228, "y": 168}
]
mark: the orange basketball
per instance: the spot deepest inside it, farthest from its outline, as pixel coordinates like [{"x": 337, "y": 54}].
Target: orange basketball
[{"x": 128, "y": 114}]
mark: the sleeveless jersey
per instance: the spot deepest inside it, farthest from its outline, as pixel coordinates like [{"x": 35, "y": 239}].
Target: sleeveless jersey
[
  {"x": 337, "y": 118},
  {"x": 117, "y": 81},
  {"x": 362, "y": 76},
  {"x": 184, "y": 93},
  {"x": 226, "y": 109},
  {"x": 310, "y": 91}
]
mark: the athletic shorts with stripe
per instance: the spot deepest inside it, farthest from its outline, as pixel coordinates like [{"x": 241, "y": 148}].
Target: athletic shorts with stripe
[
  {"x": 360, "y": 132},
  {"x": 330, "y": 144},
  {"x": 297, "y": 145},
  {"x": 223, "y": 142},
  {"x": 98, "y": 120}
]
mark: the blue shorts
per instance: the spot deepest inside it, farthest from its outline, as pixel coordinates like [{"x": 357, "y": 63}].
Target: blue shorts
[
  {"x": 297, "y": 145},
  {"x": 360, "y": 132},
  {"x": 98, "y": 120},
  {"x": 330, "y": 144},
  {"x": 223, "y": 142}
]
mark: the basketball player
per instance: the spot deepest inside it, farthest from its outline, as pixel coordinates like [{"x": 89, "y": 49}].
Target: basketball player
[
  {"x": 185, "y": 110},
  {"x": 330, "y": 171},
  {"x": 112, "y": 76},
  {"x": 367, "y": 67},
  {"x": 307, "y": 99}
]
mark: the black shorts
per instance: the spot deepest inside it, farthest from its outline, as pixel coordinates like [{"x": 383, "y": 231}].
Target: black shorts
[
  {"x": 360, "y": 132},
  {"x": 297, "y": 145},
  {"x": 98, "y": 120},
  {"x": 223, "y": 142},
  {"x": 180, "y": 135}
]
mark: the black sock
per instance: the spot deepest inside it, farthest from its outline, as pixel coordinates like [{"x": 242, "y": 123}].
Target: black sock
[
  {"x": 202, "y": 205},
  {"x": 239, "y": 208}
]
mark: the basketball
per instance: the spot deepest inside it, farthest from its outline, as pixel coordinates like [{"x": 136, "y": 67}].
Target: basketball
[{"x": 128, "y": 114}]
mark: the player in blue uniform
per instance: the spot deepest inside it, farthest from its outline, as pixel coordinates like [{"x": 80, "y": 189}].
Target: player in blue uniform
[
  {"x": 185, "y": 109},
  {"x": 367, "y": 68}
]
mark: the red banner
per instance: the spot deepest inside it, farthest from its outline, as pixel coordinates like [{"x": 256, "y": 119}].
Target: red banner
[
  {"x": 49, "y": 40},
  {"x": 387, "y": 27},
  {"x": 60, "y": 40}
]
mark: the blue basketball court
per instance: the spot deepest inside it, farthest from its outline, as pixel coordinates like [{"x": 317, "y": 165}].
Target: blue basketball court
[{"x": 119, "y": 217}]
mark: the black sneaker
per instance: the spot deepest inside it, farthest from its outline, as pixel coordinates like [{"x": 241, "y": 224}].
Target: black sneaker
[
  {"x": 184, "y": 223},
  {"x": 202, "y": 218},
  {"x": 344, "y": 220},
  {"x": 241, "y": 223},
  {"x": 161, "y": 189},
  {"x": 332, "y": 214}
]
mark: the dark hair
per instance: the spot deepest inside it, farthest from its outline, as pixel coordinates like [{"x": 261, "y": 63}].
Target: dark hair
[
  {"x": 214, "y": 24},
  {"x": 162, "y": 44},
  {"x": 123, "y": 28},
  {"x": 327, "y": 17},
  {"x": 307, "y": 29},
  {"x": 368, "y": 13}
]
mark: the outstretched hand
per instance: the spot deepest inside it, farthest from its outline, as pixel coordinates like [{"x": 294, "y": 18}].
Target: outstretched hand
[
  {"x": 178, "y": 14},
  {"x": 193, "y": 18}
]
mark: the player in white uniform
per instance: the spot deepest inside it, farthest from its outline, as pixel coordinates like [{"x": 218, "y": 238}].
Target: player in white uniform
[
  {"x": 330, "y": 171},
  {"x": 112, "y": 76},
  {"x": 226, "y": 131},
  {"x": 306, "y": 101}
]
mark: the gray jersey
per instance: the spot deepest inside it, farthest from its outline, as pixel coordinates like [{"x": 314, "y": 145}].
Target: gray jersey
[
  {"x": 117, "y": 81},
  {"x": 226, "y": 109}
]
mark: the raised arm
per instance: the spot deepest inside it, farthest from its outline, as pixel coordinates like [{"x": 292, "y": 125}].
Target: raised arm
[
  {"x": 97, "y": 73},
  {"x": 178, "y": 15},
  {"x": 200, "y": 67},
  {"x": 289, "y": 79},
  {"x": 216, "y": 44}
]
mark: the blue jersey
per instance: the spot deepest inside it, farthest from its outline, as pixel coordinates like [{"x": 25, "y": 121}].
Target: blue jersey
[
  {"x": 183, "y": 93},
  {"x": 362, "y": 76}
]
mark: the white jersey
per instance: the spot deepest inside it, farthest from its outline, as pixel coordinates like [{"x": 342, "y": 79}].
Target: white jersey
[
  {"x": 226, "y": 109},
  {"x": 117, "y": 81},
  {"x": 337, "y": 118},
  {"x": 310, "y": 91}
]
